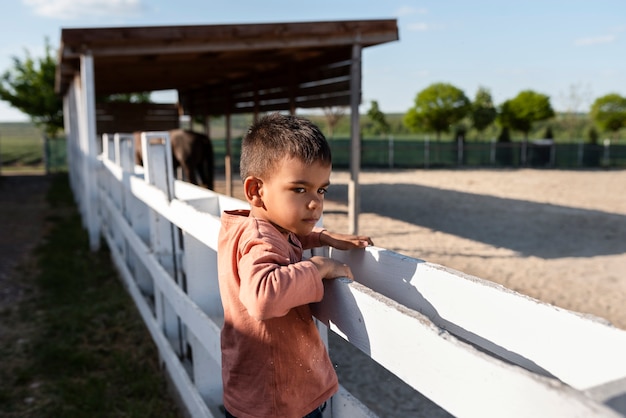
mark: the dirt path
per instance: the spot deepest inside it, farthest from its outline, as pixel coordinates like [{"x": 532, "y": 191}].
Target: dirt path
[{"x": 22, "y": 214}]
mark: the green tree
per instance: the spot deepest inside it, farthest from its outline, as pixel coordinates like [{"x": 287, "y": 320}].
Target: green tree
[
  {"x": 437, "y": 107},
  {"x": 29, "y": 87},
  {"x": 525, "y": 109},
  {"x": 504, "y": 135},
  {"x": 609, "y": 112},
  {"x": 381, "y": 126},
  {"x": 483, "y": 111}
]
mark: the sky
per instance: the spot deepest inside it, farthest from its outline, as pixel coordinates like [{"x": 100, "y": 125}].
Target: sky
[{"x": 574, "y": 51}]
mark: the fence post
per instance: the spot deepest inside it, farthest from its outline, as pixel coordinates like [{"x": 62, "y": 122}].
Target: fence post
[
  {"x": 606, "y": 156},
  {"x": 581, "y": 150},
  {"x": 164, "y": 238},
  {"x": 391, "y": 151},
  {"x": 46, "y": 154},
  {"x": 426, "y": 153}
]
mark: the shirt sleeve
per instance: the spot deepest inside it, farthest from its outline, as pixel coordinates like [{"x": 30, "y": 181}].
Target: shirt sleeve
[{"x": 270, "y": 285}]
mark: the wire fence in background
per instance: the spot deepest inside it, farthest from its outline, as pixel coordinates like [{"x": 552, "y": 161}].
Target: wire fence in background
[
  {"x": 418, "y": 153},
  {"x": 414, "y": 153}
]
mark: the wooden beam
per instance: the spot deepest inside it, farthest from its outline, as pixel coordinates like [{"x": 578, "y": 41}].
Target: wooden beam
[{"x": 354, "y": 202}]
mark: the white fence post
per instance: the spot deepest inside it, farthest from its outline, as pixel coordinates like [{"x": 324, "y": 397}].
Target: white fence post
[{"x": 164, "y": 238}]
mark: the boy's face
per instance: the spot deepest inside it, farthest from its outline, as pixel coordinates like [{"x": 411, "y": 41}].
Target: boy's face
[{"x": 292, "y": 197}]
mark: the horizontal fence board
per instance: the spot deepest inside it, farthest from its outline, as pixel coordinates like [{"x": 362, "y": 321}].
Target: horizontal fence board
[
  {"x": 343, "y": 404},
  {"x": 461, "y": 379},
  {"x": 582, "y": 352}
]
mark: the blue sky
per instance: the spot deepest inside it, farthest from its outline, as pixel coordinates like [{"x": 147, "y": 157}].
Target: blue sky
[{"x": 551, "y": 46}]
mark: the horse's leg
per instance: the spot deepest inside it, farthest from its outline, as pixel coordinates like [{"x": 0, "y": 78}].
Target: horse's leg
[
  {"x": 189, "y": 173},
  {"x": 206, "y": 165}
]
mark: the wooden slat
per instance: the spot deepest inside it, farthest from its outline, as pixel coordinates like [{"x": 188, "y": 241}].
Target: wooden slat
[
  {"x": 212, "y": 36},
  {"x": 218, "y": 59},
  {"x": 131, "y": 117}
]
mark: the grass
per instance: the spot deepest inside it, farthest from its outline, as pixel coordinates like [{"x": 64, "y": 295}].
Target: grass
[
  {"x": 75, "y": 346},
  {"x": 21, "y": 144},
  {"x": 22, "y": 149}
]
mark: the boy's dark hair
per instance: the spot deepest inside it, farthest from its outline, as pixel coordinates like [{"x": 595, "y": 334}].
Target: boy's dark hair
[{"x": 277, "y": 136}]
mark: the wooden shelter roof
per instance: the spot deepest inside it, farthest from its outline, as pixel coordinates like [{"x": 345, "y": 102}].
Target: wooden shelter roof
[{"x": 220, "y": 69}]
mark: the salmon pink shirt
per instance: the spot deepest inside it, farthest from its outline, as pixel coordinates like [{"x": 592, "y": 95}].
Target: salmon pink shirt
[{"x": 274, "y": 363}]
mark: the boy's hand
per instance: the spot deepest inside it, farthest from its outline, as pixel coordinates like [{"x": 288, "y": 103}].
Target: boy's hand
[
  {"x": 344, "y": 241},
  {"x": 331, "y": 269}
]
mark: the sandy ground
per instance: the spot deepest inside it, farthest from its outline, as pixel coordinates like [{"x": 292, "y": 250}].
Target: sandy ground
[{"x": 558, "y": 236}]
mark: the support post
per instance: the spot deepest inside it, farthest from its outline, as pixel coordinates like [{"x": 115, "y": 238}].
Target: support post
[
  {"x": 355, "y": 144},
  {"x": 228, "y": 164},
  {"x": 87, "y": 127}
]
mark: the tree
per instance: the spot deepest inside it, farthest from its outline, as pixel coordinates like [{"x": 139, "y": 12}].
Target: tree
[
  {"x": 29, "y": 87},
  {"x": 333, "y": 115},
  {"x": 437, "y": 107},
  {"x": 609, "y": 112},
  {"x": 378, "y": 119},
  {"x": 483, "y": 111},
  {"x": 526, "y": 108},
  {"x": 504, "y": 135},
  {"x": 579, "y": 97}
]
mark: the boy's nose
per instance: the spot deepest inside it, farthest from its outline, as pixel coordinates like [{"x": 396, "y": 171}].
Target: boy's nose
[{"x": 315, "y": 202}]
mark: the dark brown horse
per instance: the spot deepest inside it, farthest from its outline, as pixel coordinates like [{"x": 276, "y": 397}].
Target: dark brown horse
[{"x": 192, "y": 151}]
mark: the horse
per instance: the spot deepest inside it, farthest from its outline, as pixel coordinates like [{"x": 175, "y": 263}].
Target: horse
[{"x": 192, "y": 151}]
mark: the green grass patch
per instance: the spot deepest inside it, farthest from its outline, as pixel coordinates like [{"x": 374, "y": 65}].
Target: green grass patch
[
  {"x": 21, "y": 151},
  {"x": 77, "y": 346},
  {"x": 21, "y": 144}
]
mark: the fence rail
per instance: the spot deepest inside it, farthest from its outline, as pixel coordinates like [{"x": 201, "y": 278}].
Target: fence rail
[{"x": 474, "y": 348}]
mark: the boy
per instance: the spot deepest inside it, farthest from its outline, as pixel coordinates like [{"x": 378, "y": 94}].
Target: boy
[{"x": 274, "y": 363}]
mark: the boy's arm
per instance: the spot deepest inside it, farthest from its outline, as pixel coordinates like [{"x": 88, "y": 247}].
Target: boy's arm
[
  {"x": 321, "y": 237},
  {"x": 344, "y": 241},
  {"x": 270, "y": 286}
]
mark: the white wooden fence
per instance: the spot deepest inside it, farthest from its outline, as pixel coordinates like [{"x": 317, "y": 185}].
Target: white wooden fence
[{"x": 474, "y": 348}]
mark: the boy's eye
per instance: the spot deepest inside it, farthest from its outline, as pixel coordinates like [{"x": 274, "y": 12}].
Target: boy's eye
[
  {"x": 322, "y": 191},
  {"x": 299, "y": 189}
]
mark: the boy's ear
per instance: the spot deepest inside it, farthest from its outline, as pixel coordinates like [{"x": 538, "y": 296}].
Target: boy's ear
[{"x": 252, "y": 189}]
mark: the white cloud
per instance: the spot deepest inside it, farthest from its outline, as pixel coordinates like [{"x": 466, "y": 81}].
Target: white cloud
[
  {"x": 73, "y": 9},
  {"x": 606, "y": 39},
  {"x": 419, "y": 26},
  {"x": 424, "y": 26},
  {"x": 408, "y": 10}
]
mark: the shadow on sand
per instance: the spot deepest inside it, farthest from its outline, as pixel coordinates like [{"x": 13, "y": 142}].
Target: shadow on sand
[{"x": 529, "y": 228}]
